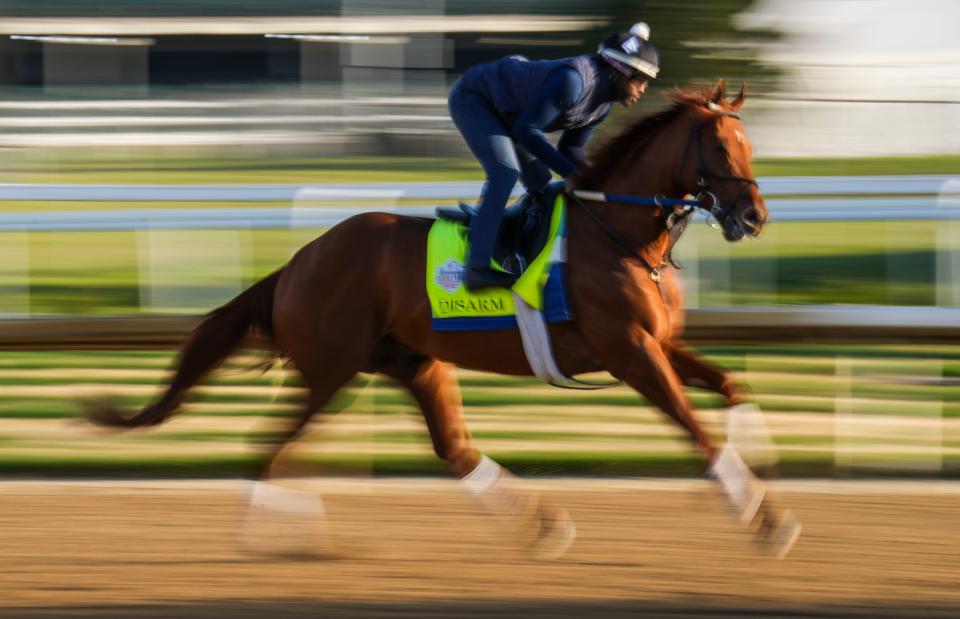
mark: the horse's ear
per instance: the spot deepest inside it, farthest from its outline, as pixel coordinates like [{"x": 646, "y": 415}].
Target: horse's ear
[
  {"x": 737, "y": 102},
  {"x": 718, "y": 92}
]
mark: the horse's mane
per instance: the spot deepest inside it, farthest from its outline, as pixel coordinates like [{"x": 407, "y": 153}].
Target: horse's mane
[{"x": 622, "y": 146}]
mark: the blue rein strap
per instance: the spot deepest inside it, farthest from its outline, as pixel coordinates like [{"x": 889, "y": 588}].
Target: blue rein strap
[
  {"x": 675, "y": 217},
  {"x": 657, "y": 200}
]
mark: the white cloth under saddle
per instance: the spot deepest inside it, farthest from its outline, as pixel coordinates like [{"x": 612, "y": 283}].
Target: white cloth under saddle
[
  {"x": 536, "y": 342},
  {"x": 533, "y": 330}
]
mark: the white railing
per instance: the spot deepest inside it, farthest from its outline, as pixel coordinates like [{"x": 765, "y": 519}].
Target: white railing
[{"x": 850, "y": 198}]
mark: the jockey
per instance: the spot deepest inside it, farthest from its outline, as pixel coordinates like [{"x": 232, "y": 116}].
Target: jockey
[{"x": 503, "y": 109}]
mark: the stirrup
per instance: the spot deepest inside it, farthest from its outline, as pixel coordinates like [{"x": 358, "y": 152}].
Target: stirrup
[{"x": 515, "y": 263}]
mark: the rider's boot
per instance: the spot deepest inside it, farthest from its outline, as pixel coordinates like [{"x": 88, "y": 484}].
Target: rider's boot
[
  {"x": 484, "y": 228},
  {"x": 479, "y": 278}
]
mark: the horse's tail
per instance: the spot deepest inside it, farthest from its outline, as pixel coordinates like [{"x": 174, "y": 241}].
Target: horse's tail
[{"x": 212, "y": 341}]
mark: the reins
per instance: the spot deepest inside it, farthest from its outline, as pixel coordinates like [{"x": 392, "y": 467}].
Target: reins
[
  {"x": 680, "y": 210},
  {"x": 656, "y": 273}
]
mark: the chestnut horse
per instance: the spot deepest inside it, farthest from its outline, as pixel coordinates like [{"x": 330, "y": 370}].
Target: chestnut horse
[{"x": 354, "y": 300}]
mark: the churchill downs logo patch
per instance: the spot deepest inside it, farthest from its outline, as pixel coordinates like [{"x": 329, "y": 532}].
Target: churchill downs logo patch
[{"x": 449, "y": 275}]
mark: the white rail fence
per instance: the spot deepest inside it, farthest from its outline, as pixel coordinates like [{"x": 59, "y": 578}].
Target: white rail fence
[{"x": 842, "y": 198}]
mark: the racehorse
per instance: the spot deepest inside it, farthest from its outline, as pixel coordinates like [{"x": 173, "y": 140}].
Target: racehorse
[{"x": 354, "y": 300}]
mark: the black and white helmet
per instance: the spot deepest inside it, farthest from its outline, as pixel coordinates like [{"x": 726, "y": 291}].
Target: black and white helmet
[{"x": 631, "y": 52}]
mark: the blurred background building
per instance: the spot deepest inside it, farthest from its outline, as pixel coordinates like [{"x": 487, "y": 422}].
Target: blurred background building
[
  {"x": 370, "y": 77},
  {"x": 860, "y": 77}
]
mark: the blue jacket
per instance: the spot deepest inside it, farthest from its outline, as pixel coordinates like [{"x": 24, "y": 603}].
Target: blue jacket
[{"x": 536, "y": 97}]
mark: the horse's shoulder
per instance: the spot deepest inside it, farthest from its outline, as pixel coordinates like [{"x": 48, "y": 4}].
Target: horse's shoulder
[{"x": 624, "y": 298}]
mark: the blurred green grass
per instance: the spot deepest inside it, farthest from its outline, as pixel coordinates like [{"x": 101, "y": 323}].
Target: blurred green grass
[
  {"x": 523, "y": 423},
  {"x": 796, "y": 263}
]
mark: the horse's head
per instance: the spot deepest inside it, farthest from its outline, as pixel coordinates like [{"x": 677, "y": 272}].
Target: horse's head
[
  {"x": 697, "y": 146},
  {"x": 717, "y": 163}
]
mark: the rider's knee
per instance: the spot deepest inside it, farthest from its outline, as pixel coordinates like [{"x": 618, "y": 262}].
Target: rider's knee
[{"x": 504, "y": 173}]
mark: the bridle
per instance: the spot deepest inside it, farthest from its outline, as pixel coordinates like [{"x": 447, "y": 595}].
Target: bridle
[
  {"x": 716, "y": 209},
  {"x": 677, "y": 221}
]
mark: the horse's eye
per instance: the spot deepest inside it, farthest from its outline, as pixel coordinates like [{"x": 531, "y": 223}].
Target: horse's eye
[{"x": 719, "y": 147}]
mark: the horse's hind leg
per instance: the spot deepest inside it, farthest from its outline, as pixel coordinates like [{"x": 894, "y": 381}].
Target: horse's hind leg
[
  {"x": 281, "y": 520},
  {"x": 320, "y": 390},
  {"x": 548, "y": 530},
  {"x": 434, "y": 386}
]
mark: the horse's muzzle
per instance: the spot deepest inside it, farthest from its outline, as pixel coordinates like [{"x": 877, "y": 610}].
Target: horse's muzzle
[
  {"x": 747, "y": 221},
  {"x": 752, "y": 220}
]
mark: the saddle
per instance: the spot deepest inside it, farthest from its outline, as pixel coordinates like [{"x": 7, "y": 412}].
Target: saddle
[{"x": 524, "y": 229}]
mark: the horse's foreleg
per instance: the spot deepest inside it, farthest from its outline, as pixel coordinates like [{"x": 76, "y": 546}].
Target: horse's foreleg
[
  {"x": 695, "y": 371},
  {"x": 746, "y": 428},
  {"x": 650, "y": 371},
  {"x": 647, "y": 368},
  {"x": 548, "y": 530},
  {"x": 653, "y": 375}
]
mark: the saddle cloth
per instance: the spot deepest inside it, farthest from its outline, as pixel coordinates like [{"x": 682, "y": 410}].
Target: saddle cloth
[{"x": 541, "y": 286}]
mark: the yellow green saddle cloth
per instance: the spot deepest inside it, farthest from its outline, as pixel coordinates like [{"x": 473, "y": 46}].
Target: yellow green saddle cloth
[{"x": 454, "y": 308}]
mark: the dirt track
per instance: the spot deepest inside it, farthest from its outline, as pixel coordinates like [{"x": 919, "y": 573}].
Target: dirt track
[{"x": 423, "y": 549}]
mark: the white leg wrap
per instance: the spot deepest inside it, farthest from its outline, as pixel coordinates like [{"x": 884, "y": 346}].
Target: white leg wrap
[
  {"x": 265, "y": 495},
  {"x": 744, "y": 491},
  {"x": 490, "y": 483},
  {"x": 547, "y": 531},
  {"x": 283, "y": 521},
  {"x": 482, "y": 476},
  {"x": 748, "y": 432}
]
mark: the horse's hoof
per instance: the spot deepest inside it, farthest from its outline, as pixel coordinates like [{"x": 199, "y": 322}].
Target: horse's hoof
[
  {"x": 555, "y": 536},
  {"x": 283, "y": 522},
  {"x": 754, "y": 498},
  {"x": 747, "y": 431},
  {"x": 747, "y": 506},
  {"x": 778, "y": 532}
]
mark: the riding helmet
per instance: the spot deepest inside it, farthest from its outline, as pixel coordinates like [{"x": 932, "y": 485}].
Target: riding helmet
[{"x": 631, "y": 52}]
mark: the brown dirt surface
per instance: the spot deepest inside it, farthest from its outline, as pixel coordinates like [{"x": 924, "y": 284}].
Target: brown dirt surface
[{"x": 420, "y": 548}]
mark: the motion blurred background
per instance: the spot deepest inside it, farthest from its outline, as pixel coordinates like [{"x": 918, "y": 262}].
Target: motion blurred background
[{"x": 158, "y": 157}]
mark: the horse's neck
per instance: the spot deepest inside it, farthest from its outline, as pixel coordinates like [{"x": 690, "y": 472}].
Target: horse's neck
[{"x": 642, "y": 227}]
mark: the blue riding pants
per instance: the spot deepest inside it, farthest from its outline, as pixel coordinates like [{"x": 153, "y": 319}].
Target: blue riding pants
[{"x": 488, "y": 137}]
